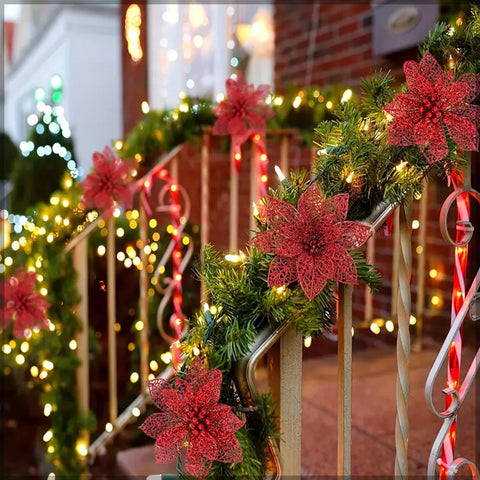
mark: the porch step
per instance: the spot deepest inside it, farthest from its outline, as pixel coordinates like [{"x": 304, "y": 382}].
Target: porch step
[{"x": 140, "y": 462}]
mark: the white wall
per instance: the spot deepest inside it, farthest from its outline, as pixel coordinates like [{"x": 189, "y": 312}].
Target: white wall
[{"x": 82, "y": 44}]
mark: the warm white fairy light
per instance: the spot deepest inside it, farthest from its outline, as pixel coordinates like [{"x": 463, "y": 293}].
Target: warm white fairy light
[{"x": 280, "y": 174}]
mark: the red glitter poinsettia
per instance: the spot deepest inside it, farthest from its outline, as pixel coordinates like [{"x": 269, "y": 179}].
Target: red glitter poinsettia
[
  {"x": 21, "y": 305},
  {"x": 311, "y": 242},
  {"x": 191, "y": 417},
  {"x": 434, "y": 101},
  {"x": 108, "y": 184},
  {"x": 244, "y": 111}
]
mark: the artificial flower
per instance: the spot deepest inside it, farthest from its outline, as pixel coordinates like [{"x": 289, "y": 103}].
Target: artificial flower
[
  {"x": 190, "y": 417},
  {"x": 310, "y": 242},
  {"x": 21, "y": 305},
  {"x": 435, "y": 101},
  {"x": 108, "y": 184},
  {"x": 243, "y": 112}
]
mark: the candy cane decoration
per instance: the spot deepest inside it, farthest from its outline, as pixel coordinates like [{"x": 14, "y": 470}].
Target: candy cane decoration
[{"x": 458, "y": 297}]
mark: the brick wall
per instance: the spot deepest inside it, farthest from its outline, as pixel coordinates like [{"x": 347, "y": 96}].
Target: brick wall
[{"x": 339, "y": 50}]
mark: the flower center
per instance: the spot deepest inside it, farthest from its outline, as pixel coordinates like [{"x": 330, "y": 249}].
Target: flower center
[
  {"x": 22, "y": 302},
  {"x": 432, "y": 108},
  {"x": 239, "y": 109},
  {"x": 198, "y": 421},
  {"x": 106, "y": 183},
  {"x": 312, "y": 243}
]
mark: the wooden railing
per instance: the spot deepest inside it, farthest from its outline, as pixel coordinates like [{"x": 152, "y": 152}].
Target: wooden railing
[{"x": 289, "y": 374}]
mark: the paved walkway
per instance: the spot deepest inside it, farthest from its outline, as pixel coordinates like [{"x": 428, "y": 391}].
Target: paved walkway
[{"x": 373, "y": 420}]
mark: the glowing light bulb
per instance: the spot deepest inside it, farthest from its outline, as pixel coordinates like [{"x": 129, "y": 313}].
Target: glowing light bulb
[
  {"x": 136, "y": 412},
  {"x": 307, "y": 342},
  {"x": 390, "y": 327},
  {"x": 47, "y": 436},
  {"x": 297, "y": 101},
  {"x": 350, "y": 177},
  {"x": 279, "y": 173},
  {"x": 108, "y": 427},
  {"x": 375, "y": 328}
]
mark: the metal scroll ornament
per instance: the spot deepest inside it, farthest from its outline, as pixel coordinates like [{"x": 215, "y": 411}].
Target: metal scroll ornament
[{"x": 456, "y": 391}]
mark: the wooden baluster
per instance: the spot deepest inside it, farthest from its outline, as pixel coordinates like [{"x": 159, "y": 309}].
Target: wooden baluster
[
  {"x": 344, "y": 389},
  {"x": 205, "y": 196},
  {"x": 143, "y": 285},
  {"x": 291, "y": 404},
  {"x": 233, "y": 236},
  {"x": 80, "y": 263},
  {"x": 112, "y": 315},
  {"x": 421, "y": 266}
]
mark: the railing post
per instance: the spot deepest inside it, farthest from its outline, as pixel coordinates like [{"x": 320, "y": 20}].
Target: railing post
[
  {"x": 421, "y": 264},
  {"x": 143, "y": 284},
  {"x": 80, "y": 263},
  {"x": 403, "y": 340},
  {"x": 291, "y": 404},
  {"x": 344, "y": 390},
  {"x": 112, "y": 315},
  {"x": 233, "y": 235}
]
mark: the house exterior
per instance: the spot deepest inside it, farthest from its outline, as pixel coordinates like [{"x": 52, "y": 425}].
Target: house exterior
[{"x": 81, "y": 43}]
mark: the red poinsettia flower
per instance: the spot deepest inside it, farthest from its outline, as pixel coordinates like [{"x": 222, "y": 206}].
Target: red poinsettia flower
[
  {"x": 311, "y": 242},
  {"x": 191, "y": 417},
  {"x": 244, "y": 111},
  {"x": 434, "y": 101},
  {"x": 108, "y": 184},
  {"x": 21, "y": 305}
]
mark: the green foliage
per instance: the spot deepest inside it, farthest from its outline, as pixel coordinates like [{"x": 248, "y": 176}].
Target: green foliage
[
  {"x": 456, "y": 46},
  {"x": 50, "y": 166},
  {"x": 9, "y": 153},
  {"x": 160, "y": 131},
  {"x": 354, "y": 156},
  {"x": 43, "y": 245}
]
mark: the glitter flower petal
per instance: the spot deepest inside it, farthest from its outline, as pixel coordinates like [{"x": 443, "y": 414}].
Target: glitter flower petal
[
  {"x": 191, "y": 417},
  {"x": 21, "y": 305},
  {"x": 244, "y": 111},
  {"x": 435, "y": 101},
  {"x": 108, "y": 184},
  {"x": 310, "y": 242}
]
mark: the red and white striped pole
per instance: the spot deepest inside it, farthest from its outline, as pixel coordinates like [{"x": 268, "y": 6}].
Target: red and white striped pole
[{"x": 458, "y": 296}]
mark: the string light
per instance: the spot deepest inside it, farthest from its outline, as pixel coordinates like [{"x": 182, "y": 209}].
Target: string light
[
  {"x": 389, "y": 326},
  {"x": 136, "y": 412},
  {"x": 139, "y": 325},
  {"x": 108, "y": 427},
  {"x": 347, "y": 95},
  {"x": 307, "y": 342},
  {"x": 20, "y": 359},
  {"x": 47, "y": 436},
  {"x": 154, "y": 365},
  {"x": 433, "y": 273},
  {"x": 134, "y": 377},
  {"x": 413, "y": 320},
  {"x": 82, "y": 449},
  {"x": 145, "y": 107},
  {"x": 415, "y": 225},
  {"x": 375, "y": 328},
  {"x": 73, "y": 344}
]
